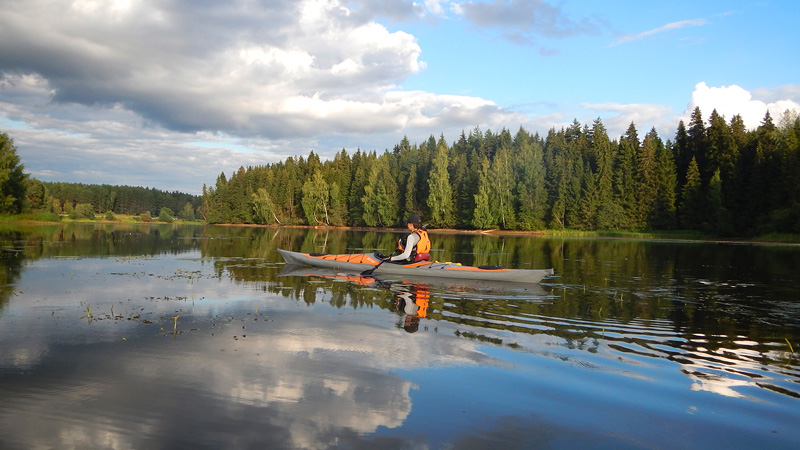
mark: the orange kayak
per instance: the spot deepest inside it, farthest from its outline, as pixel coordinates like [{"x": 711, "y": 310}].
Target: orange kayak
[{"x": 359, "y": 262}]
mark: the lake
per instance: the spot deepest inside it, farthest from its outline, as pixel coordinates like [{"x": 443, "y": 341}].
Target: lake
[{"x": 162, "y": 336}]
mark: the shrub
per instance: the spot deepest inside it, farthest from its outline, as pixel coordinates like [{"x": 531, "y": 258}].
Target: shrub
[
  {"x": 166, "y": 215},
  {"x": 82, "y": 211}
]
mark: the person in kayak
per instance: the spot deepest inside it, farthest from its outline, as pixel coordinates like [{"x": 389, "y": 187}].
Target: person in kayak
[{"x": 416, "y": 246}]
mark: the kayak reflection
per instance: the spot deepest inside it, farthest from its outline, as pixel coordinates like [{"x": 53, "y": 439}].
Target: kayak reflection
[{"x": 412, "y": 297}]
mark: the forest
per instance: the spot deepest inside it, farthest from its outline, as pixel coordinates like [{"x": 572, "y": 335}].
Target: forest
[
  {"x": 715, "y": 177},
  {"x": 69, "y": 198}
]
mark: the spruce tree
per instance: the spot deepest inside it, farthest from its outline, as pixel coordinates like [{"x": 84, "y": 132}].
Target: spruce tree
[
  {"x": 682, "y": 153},
  {"x": 691, "y": 208},
  {"x": 482, "y": 217},
  {"x": 440, "y": 199},
  {"x": 625, "y": 175},
  {"x": 532, "y": 194},
  {"x": 646, "y": 179},
  {"x": 12, "y": 177},
  {"x": 663, "y": 217},
  {"x": 698, "y": 142}
]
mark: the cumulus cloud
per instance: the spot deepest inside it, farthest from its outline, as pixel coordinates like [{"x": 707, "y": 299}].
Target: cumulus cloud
[
  {"x": 129, "y": 82},
  {"x": 732, "y": 100},
  {"x": 241, "y": 72}
]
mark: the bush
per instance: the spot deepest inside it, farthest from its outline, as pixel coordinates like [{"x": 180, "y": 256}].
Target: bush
[
  {"x": 82, "y": 211},
  {"x": 110, "y": 215},
  {"x": 166, "y": 215},
  {"x": 187, "y": 213},
  {"x": 145, "y": 216}
]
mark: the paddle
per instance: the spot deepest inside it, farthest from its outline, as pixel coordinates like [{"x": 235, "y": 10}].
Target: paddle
[{"x": 368, "y": 272}]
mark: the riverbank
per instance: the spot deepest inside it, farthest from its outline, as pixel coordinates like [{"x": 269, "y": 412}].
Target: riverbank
[{"x": 673, "y": 235}]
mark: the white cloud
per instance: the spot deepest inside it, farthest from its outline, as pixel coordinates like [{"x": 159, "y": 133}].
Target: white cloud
[
  {"x": 188, "y": 73},
  {"x": 732, "y": 100},
  {"x": 531, "y": 16},
  {"x": 668, "y": 27},
  {"x": 434, "y": 7},
  {"x": 139, "y": 91},
  {"x": 644, "y": 116}
]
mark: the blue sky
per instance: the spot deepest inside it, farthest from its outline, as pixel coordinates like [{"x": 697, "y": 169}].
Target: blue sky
[{"x": 168, "y": 94}]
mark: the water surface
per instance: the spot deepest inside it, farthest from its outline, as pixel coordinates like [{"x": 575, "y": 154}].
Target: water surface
[{"x": 156, "y": 336}]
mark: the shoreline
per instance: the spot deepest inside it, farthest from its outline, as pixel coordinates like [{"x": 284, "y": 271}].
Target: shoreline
[{"x": 688, "y": 236}]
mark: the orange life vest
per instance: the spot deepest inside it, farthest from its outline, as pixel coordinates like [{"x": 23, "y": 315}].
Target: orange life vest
[
  {"x": 422, "y": 250},
  {"x": 422, "y": 298}
]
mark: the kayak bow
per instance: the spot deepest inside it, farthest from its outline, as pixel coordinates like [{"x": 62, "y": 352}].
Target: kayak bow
[{"x": 360, "y": 262}]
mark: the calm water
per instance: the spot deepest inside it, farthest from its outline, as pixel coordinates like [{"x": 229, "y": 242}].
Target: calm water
[{"x": 199, "y": 337}]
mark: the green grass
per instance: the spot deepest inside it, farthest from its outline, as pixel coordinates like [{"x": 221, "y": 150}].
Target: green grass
[
  {"x": 680, "y": 234},
  {"x": 778, "y": 237},
  {"x": 30, "y": 217}
]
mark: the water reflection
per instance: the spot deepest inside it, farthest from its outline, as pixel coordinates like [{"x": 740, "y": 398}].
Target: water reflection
[{"x": 297, "y": 358}]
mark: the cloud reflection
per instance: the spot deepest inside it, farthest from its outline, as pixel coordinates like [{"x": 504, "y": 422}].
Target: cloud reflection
[{"x": 295, "y": 381}]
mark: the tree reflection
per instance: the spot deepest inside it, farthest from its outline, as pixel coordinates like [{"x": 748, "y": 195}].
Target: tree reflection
[{"x": 642, "y": 296}]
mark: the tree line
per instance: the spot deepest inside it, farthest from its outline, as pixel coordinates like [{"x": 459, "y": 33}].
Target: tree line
[
  {"x": 65, "y": 198},
  {"x": 714, "y": 176},
  {"x": 21, "y": 193}
]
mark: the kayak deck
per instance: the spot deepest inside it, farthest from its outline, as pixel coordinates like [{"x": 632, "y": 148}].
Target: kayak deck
[{"x": 360, "y": 262}]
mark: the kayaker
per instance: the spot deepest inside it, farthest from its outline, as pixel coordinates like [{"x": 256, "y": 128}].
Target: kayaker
[{"x": 416, "y": 246}]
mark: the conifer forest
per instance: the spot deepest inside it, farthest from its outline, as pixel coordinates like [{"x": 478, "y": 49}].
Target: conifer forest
[{"x": 713, "y": 176}]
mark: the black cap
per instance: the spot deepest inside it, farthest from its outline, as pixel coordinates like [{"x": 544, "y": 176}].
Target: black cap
[{"x": 415, "y": 219}]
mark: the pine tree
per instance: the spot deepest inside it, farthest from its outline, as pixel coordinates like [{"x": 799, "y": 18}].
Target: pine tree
[
  {"x": 682, "y": 153},
  {"x": 532, "y": 194},
  {"x": 440, "y": 200},
  {"x": 463, "y": 191},
  {"x": 411, "y": 204},
  {"x": 625, "y": 175},
  {"x": 558, "y": 167},
  {"x": 698, "y": 142},
  {"x": 716, "y": 214},
  {"x": 482, "y": 218},
  {"x": 12, "y": 177},
  {"x": 361, "y": 170},
  {"x": 663, "y": 217},
  {"x": 380, "y": 195},
  {"x": 338, "y": 211},
  {"x": 691, "y": 208},
  {"x": 646, "y": 179}
]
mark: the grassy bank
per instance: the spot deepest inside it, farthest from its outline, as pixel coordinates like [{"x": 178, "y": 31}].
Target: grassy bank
[{"x": 40, "y": 217}]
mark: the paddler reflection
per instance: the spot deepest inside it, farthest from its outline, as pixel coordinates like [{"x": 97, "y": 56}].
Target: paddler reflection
[{"x": 413, "y": 300}]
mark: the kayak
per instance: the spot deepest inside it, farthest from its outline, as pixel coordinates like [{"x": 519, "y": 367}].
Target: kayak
[
  {"x": 454, "y": 286},
  {"x": 360, "y": 262}
]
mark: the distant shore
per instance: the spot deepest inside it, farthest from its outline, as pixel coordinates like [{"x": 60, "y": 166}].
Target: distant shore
[{"x": 791, "y": 239}]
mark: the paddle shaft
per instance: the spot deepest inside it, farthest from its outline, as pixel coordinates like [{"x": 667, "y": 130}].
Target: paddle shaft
[{"x": 369, "y": 272}]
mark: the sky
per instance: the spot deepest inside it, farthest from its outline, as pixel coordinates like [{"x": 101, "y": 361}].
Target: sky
[{"x": 168, "y": 94}]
